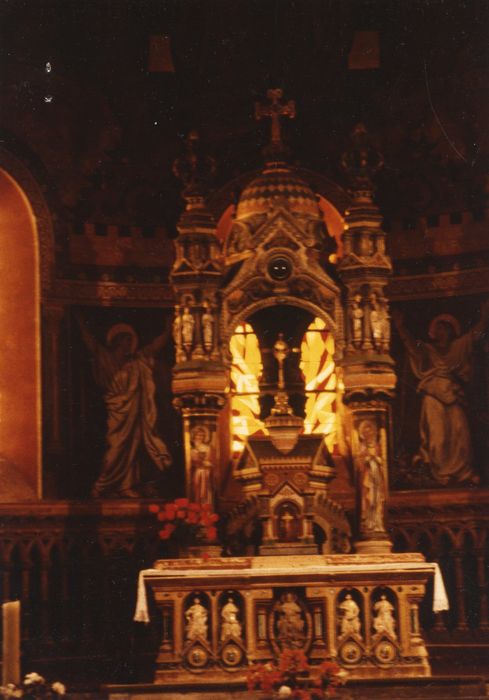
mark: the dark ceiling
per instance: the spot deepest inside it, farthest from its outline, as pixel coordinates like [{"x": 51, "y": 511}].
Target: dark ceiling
[{"x": 107, "y": 134}]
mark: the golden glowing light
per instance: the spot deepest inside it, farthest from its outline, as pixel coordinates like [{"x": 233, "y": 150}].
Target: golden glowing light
[
  {"x": 320, "y": 382},
  {"x": 318, "y": 368},
  {"x": 246, "y": 369}
]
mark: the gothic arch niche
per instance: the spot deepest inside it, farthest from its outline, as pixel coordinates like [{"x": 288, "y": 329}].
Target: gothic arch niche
[
  {"x": 20, "y": 375},
  {"x": 310, "y": 372}
]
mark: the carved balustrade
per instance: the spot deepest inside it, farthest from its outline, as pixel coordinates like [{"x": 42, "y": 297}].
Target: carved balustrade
[
  {"x": 74, "y": 567},
  {"x": 451, "y": 528}
]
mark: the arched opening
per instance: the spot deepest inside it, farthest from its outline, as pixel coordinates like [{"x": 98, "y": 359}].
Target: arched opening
[
  {"x": 310, "y": 372},
  {"x": 20, "y": 415},
  {"x": 246, "y": 370}
]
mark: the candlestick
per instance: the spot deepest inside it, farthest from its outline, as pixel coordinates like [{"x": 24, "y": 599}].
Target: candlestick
[{"x": 11, "y": 642}]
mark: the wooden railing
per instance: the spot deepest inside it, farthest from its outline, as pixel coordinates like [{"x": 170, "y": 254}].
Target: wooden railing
[
  {"x": 450, "y": 527},
  {"x": 74, "y": 567}
]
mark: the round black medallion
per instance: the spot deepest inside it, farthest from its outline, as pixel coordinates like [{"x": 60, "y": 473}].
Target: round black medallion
[{"x": 279, "y": 268}]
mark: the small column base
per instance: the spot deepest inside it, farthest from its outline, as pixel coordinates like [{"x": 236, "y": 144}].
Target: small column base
[{"x": 383, "y": 546}]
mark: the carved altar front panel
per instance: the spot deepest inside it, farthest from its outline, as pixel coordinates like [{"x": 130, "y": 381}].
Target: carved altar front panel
[{"x": 223, "y": 615}]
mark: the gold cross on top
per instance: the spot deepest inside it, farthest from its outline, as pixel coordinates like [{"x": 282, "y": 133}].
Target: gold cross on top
[{"x": 275, "y": 110}]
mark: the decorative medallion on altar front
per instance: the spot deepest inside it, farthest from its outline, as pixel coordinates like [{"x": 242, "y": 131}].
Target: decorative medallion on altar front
[
  {"x": 350, "y": 652},
  {"x": 197, "y": 657},
  {"x": 290, "y": 623},
  {"x": 231, "y": 655},
  {"x": 385, "y": 652}
]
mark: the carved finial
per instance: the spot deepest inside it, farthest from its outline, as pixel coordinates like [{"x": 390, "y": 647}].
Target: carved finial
[
  {"x": 194, "y": 168},
  {"x": 361, "y": 161},
  {"x": 280, "y": 352},
  {"x": 274, "y": 110},
  {"x": 283, "y": 426}
]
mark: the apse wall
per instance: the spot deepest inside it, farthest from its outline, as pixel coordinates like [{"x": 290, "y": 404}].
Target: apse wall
[{"x": 20, "y": 441}]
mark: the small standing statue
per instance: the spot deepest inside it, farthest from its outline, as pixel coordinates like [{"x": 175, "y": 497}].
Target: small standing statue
[
  {"x": 207, "y": 329},
  {"x": 377, "y": 322},
  {"x": 372, "y": 480},
  {"x": 366, "y": 246},
  {"x": 200, "y": 460},
  {"x": 350, "y": 616},
  {"x": 230, "y": 625},
  {"x": 196, "y": 617},
  {"x": 188, "y": 325},
  {"x": 177, "y": 334},
  {"x": 384, "y": 619},
  {"x": 386, "y": 326},
  {"x": 356, "y": 317}
]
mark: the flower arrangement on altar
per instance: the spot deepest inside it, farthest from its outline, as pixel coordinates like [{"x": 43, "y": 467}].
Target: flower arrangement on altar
[
  {"x": 33, "y": 687},
  {"x": 293, "y": 677},
  {"x": 186, "y": 523}
]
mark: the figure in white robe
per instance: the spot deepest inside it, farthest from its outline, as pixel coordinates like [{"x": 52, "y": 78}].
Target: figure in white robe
[
  {"x": 230, "y": 625},
  {"x": 349, "y": 616},
  {"x": 384, "y": 619},
  {"x": 443, "y": 368},
  {"x": 196, "y": 617},
  {"x": 126, "y": 378}
]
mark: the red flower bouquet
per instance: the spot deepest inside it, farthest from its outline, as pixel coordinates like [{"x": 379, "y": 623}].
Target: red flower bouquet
[
  {"x": 185, "y": 522},
  {"x": 294, "y": 678}
]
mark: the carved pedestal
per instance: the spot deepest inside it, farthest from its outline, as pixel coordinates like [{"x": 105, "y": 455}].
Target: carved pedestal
[{"x": 221, "y": 615}]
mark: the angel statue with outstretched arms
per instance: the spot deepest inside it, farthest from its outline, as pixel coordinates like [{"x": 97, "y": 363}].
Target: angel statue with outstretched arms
[{"x": 125, "y": 375}]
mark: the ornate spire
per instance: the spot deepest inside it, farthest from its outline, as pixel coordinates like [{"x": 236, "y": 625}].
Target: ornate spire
[
  {"x": 274, "y": 110},
  {"x": 360, "y": 162},
  {"x": 195, "y": 169}
]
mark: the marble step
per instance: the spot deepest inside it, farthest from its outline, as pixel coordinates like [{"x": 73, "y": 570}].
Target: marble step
[{"x": 435, "y": 688}]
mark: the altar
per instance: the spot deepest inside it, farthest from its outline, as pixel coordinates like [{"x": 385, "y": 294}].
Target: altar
[
  {"x": 282, "y": 373},
  {"x": 223, "y": 614}
]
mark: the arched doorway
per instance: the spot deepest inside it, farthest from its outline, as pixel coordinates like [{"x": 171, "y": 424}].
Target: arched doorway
[{"x": 20, "y": 383}]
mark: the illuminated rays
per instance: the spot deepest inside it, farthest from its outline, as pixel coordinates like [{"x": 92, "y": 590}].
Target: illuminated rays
[
  {"x": 246, "y": 369},
  {"x": 318, "y": 369}
]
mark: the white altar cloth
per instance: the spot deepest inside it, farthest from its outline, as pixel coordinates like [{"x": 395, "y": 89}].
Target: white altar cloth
[{"x": 440, "y": 599}]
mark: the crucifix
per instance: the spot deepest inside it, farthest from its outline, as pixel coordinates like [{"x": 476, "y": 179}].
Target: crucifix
[
  {"x": 275, "y": 110},
  {"x": 286, "y": 521}
]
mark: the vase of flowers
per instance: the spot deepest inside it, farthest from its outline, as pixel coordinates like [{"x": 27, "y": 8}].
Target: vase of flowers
[
  {"x": 292, "y": 677},
  {"x": 33, "y": 687},
  {"x": 190, "y": 527}
]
